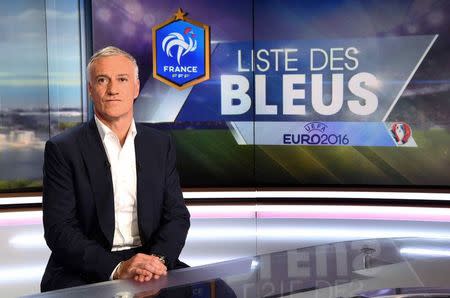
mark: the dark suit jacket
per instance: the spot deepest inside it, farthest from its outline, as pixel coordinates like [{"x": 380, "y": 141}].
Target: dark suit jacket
[{"x": 78, "y": 205}]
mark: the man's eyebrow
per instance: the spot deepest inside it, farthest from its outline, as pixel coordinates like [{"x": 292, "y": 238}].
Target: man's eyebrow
[
  {"x": 101, "y": 75},
  {"x": 122, "y": 75}
]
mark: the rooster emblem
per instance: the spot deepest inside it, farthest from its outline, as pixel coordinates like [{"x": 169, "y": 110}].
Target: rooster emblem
[{"x": 175, "y": 39}]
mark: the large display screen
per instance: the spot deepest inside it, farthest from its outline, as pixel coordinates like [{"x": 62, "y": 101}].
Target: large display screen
[{"x": 292, "y": 93}]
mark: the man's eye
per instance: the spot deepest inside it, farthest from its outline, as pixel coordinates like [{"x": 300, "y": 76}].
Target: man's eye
[
  {"x": 123, "y": 79},
  {"x": 101, "y": 80}
]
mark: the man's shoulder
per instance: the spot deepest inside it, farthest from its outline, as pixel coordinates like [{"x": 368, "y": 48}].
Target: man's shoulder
[
  {"x": 152, "y": 133},
  {"x": 70, "y": 135}
]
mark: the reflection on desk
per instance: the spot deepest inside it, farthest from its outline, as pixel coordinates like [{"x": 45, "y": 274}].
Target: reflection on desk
[
  {"x": 364, "y": 268},
  {"x": 206, "y": 289}
]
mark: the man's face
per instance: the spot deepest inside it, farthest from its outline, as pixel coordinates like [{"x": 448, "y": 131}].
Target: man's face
[{"x": 113, "y": 87}]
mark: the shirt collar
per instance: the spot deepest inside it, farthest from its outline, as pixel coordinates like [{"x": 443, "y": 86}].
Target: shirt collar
[{"x": 104, "y": 130}]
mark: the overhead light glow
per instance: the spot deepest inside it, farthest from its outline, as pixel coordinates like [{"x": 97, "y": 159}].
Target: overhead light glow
[
  {"x": 277, "y": 194},
  {"x": 10, "y": 274},
  {"x": 429, "y": 252},
  {"x": 28, "y": 240}
]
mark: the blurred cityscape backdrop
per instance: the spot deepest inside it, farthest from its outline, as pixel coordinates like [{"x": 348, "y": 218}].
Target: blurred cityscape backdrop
[{"x": 40, "y": 84}]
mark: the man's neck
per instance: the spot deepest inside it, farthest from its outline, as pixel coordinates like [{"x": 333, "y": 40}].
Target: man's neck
[{"x": 119, "y": 126}]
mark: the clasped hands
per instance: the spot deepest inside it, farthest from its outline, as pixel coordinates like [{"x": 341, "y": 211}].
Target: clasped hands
[{"x": 141, "y": 267}]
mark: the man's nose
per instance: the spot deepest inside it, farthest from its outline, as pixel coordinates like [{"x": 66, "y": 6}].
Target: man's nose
[{"x": 112, "y": 88}]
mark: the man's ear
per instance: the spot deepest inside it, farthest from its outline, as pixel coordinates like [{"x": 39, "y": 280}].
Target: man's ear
[
  {"x": 137, "y": 87},
  {"x": 90, "y": 88}
]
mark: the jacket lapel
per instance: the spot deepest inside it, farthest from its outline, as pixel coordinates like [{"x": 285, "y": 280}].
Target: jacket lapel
[
  {"x": 143, "y": 192},
  {"x": 99, "y": 172}
]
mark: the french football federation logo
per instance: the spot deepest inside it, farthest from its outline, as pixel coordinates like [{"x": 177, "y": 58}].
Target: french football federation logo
[{"x": 181, "y": 51}]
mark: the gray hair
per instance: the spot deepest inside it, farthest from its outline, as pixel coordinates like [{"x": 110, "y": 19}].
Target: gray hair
[{"x": 111, "y": 51}]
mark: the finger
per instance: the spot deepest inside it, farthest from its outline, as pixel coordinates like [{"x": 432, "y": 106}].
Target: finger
[
  {"x": 155, "y": 268},
  {"x": 162, "y": 266},
  {"x": 143, "y": 269},
  {"x": 131, "y": 266},
  {"x": 151, "y": 268},
  {"x": 141, "y": 259},
  {"x": 146, "y": 277},
  {"x": 139, "y": 271}
]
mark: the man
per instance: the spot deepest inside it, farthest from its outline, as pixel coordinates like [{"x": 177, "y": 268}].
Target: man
[{"x": 112, "y": 203}]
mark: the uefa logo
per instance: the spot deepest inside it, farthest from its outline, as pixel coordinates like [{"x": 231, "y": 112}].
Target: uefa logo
[
  {"x": 181, "y": 51},
  {"x": 315, "y": 126}
]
